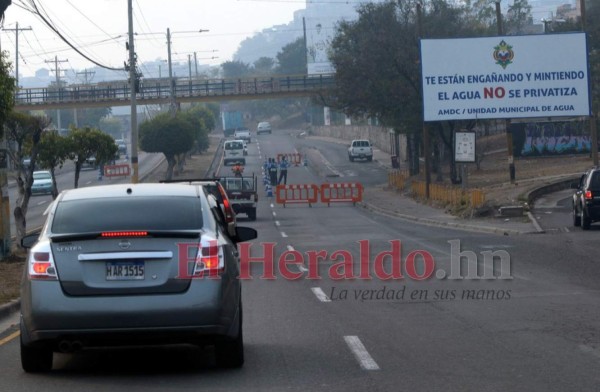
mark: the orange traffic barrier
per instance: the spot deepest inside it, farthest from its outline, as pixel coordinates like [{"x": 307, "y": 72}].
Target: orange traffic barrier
[
  {"x": 292, "y": 158},
  {"x": 342, "y": 192},
  {"x": 117, "y": 170},
  {"x": 297, "y": 193}
]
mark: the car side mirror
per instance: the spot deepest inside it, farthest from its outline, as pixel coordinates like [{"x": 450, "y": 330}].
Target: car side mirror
[
  {"x": 243, "y": 234},
  {"x": 29, "y": 240}
]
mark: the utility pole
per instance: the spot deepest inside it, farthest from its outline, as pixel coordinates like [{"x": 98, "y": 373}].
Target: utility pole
[
  {"x": 305, "y": 48},
  {"x": 57, "y": 72},
  {"x": 87, "y": 73},
  {"x": 509, "y": 138},
  {"x": 173, "y": 105},
  {"x": 426, "y": 149},
  {"x": 132, "y": 79},
  {"x": 196, "y": 64},
  {"x": 190, "y": 65},
  {"x": 16, "y": 30}
]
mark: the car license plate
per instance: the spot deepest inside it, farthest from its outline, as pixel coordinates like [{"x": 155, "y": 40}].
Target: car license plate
[{"x": 125, "y": 270}]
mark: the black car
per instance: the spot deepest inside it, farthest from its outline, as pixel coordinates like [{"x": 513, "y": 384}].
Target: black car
[{"x": 586, "y": 200}]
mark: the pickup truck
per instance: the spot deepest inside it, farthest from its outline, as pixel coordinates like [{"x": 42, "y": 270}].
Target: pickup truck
[
  {"x": 242, "y": 134},
  {"x": 242, "y": 193},
  {"x": 360, "y": 149}
]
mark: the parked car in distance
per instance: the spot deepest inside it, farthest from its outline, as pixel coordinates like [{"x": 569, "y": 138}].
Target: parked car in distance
[
  {"x": 242, "y": 134},
  {"x": 586, "y": 199},
  {"x": 263, "y": 127},
  {"x": 124, "y": 277},
  {"x": 360, "y": 149},
  {"x": 42, "y": 183}
]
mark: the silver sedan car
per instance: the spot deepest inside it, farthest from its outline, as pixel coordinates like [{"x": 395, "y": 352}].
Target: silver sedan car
[{"x": 127, "y": 264}]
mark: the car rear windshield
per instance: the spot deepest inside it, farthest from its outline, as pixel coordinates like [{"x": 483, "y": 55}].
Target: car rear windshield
[
  {"x": 122, "y": 214},
  {"x": 361, "y": 143},
  {"x": 234, "y": 146},
  {"x": 41, "y": 176},
  {"x": 595, "y": 181}
]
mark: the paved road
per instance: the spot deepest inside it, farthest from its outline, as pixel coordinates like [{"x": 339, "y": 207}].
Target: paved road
[{"x": 534, "y": 332}]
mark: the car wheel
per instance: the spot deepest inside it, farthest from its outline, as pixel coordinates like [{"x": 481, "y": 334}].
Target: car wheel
[
  {"x": 36, "y": 359},
  {"x": 230, "y": 354},
  {"x": 576, "y": 218},
  {"x": 350, "y": 158},
  {"x": 585, "y": 220},
  {"x": 369, "y": 159},
  {"x": 252, "y": 214}
]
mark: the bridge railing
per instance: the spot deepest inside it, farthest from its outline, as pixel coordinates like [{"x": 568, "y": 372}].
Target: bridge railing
[{"x": 161, "y": 89}]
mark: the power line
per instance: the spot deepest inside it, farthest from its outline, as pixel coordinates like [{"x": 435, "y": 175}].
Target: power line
[{"x": 48, "y": 23}]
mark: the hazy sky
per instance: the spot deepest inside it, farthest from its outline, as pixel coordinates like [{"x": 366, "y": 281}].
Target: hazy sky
[{"x": 99, "y": 28}]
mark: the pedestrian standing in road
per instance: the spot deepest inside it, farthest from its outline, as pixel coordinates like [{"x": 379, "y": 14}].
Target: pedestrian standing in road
[
  {"x": 283, "y": 168},
  {"x": 273, "y": 172}
]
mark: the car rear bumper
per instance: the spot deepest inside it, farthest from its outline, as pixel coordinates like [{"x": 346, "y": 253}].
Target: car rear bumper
[
  {"x": 593, "y": 211},
  {"x": 207, "y": 309}
]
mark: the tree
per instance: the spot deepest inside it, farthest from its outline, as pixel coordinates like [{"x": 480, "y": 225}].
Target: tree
[
  {"x": 518, "y": 15},
  {"x": 24, "y": 131},
  {"x": 204, "y": 122},
  {"x": 54, "y": 150},
  {"x": 380, "y": 50},
  {"x": 235, "y": 69},
  {"x": 292, "y": 58},
  {"x": 168, "y": 135},
  {"x": 89, "y": 143},
  {"x": 264, "y": 66},
  {"x": 91, "y": 117},
  {"x": 7, "y": 90}
]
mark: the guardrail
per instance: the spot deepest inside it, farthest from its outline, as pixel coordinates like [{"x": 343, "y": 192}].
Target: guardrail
[{"x": 159, "y": 90}]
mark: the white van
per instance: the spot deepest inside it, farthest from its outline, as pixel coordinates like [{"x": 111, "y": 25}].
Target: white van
[{"x": 233, "y": 152}]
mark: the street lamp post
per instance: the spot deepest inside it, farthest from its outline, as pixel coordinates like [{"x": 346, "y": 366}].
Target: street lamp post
[{"x": 173, "y": 103}]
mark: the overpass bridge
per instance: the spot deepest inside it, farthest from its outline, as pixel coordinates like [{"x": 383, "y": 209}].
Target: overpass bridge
[{"x": 158, "y": 91}]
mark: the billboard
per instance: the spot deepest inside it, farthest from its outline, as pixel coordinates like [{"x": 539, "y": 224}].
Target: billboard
[
  {"x": 505, "y": 77},
  {"x": 320, "y": 33}
]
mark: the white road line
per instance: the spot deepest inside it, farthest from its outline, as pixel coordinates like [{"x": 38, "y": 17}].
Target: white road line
[
  {"x": 274, "y": 213},
  {"x": 360, "y": 352},
  {"x": 42, "y": 202},
  {"x": 277, "y": 223},
  {"x": 272, "y": 205},
  {"x": 567, "y": 230},
  {"x": 321, "y": 296},
  {"x": 88, "y": 183},
  {"x": 283, "y": 234},
  {"x": 302, "y": 268}
]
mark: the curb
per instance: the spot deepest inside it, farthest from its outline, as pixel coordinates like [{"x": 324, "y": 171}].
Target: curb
[{"x": 436, "y": 223}]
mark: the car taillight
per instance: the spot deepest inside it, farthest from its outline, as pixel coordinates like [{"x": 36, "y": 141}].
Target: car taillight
[
  {"x": 210, "y": 259},
  {"x": 40, "y": 265},
  {"x": 588, "y": 195},
  {"x": 229, "y": 213}
]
